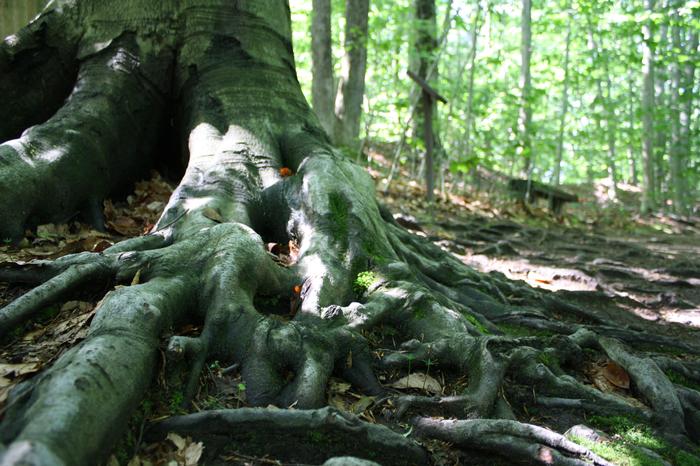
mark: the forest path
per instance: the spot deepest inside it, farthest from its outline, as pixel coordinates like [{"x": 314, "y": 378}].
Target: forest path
[{"x": 650, "y": 268}]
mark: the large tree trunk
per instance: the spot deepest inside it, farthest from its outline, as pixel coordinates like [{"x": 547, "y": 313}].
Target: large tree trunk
[{"x": 226, "y": 67}]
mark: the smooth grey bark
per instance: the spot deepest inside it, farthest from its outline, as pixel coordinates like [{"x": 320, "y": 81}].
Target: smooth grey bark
[
  {"x": 648, "y": 159},
  {"x": 564, "y": 109},
  {"x": 351, "y": 87},
  {"x": 322, "y": 86},
  {"x": 525, "y": 112}
]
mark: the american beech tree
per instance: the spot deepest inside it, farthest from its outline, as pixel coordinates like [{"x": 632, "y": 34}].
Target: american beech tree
[{"x": 90, "y": 88}]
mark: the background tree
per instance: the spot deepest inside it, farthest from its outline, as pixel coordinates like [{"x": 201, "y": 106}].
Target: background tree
[{"x": 340, "y": 111}]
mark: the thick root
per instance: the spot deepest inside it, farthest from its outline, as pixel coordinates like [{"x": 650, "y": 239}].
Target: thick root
[{"x": 298, "y": 436}]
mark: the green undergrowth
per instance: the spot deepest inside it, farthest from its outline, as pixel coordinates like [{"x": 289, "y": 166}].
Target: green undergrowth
[
  {"x": 680, "y": 379},
  {"x": 631, "y": 443},
  {"x": 363, "y": 281}
]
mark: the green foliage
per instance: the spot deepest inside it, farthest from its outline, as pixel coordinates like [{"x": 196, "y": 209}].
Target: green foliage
[
  {"x": 363, "y": 281},
  {"x": 628, "y": 439},
  {"x": 478, "y": 128}
]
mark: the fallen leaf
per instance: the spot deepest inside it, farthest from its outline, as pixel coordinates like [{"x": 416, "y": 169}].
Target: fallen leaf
[
  {"x": 137, "y": 278},
  {"x": 178, "y": 441},
  {"x": 419, "y": 381},
  {"x": 616, "y": 375},
  {"x": 15, "y": 370},
  {"x": 193, "y": 453},
  {"x": 213, "y": 214}
]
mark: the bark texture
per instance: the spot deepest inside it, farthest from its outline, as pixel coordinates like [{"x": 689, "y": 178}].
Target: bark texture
[
  {"x": 322, "y": 62},
  {"x": 222, "y": 72},
  {"x": 351, "y": 87}
]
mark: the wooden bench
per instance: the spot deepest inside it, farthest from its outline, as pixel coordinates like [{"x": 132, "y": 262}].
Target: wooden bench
[{"x": 529, "y": 191}]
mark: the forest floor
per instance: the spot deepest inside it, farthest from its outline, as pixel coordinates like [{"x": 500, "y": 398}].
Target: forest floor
[{"x": 594, "y": 256}]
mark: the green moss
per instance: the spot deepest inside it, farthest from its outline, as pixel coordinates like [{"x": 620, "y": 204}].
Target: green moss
[
  {"x": 363, "y": 281},
  {"x": 629, "y": 435},
  {"x": 619, "y": 453},
  {"x": 475, "y": 322}
]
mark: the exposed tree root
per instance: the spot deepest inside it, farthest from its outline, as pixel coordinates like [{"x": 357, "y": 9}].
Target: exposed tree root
[
  {"x": 514, "y": 440},
  {"x": 301, "y": 436}
]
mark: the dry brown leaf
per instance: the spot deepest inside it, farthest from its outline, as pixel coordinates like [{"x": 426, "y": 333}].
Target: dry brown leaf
[
  {"x": 213, "y": 214},
  {"x": 616, "y": 375},
  {"x": 124, "y": 226},
  {"x": 419, "y": 381},
  {"x": 19, "y": 369}
]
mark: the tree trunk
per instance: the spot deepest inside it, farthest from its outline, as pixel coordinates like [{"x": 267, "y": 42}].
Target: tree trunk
[
  {"x": 564, "y": 109},
  {"x": 648, "y": 159},
  {"x": 322, "y": 90},
  {"x": 525, "y": 115},
  {"x": 351, "y": 88},
  {"x": 632, "y": 148},
  {"x": 222, "y": 73},
  {"x": 476, "y": 27},
  {"x": 677, "y": 158},
  {"x": 605, "y": 100},
  {"x": 686, "y": 108}
]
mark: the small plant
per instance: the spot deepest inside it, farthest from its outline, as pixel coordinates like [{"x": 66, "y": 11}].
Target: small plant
[{"x": 363, "y": 281}]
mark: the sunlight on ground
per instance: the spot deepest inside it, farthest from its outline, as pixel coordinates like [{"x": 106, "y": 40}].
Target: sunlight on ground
[{"x": 535, "y": 275}]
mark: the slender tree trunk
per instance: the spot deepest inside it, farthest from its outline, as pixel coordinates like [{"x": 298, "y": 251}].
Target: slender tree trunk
[
  {"x": 351, "y": 87},
  {"x": 677, "y": 157},
  {"x": 525, "y": 114},
  {"x": 648, "y": 189},
  {"x": 476, "y": 27},
  {"x": 425, "y": 55},
  {"x": 686, "y": 108},
  {"x": 564, "y": 109},
  {"x": 322, "y": 86},
  {"x": 632, "y": 148},
  {"x": 661, "y": 113}
]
